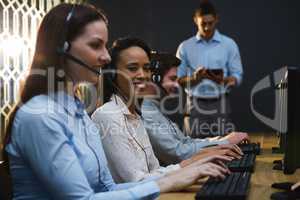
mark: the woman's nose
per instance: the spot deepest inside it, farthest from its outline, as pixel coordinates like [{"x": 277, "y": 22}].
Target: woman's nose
[{"x": 105, "y": 57}]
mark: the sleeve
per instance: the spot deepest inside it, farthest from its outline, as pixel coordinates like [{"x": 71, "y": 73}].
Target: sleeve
[
  {"x": 124, "y": 164},
  {"x": 122, "y": 186},
  {"x": 168, "y": 140},
  {"x": 234, "y": 63},
  {"x": 49, "y": 152},
  {"x": 168, "y": 169},
  {"x": 182, "y": 69}
]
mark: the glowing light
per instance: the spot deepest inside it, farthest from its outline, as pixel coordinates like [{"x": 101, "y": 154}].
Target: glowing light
[
  {"x": 12, "y": 46},
  {"x": 19, "y": 23}
]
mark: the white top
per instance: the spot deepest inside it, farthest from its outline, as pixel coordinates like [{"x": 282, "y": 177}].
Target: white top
[{"x": 126, "y": 143}]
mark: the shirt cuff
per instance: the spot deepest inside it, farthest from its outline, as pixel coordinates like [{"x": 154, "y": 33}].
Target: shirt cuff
[
  {"x": 172, "y": 168},
  {"x": 176, "y": 167},
  {"x": 220, "y": 142},
  {"x": 149, "y": 190},
  {"x": 168, "y": 169},
  {"x": 238, "y": 79}
]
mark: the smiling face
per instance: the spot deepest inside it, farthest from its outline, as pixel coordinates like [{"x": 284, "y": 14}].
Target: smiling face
[
  {"x": 133, "y": 67},
  {"x": 169, "y": 81},
  {"x": 90, "y": 47}
]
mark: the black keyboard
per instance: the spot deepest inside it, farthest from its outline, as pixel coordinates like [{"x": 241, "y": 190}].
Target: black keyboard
[
  {"x": 246, "y": 163},
  {"x": 250, "y": 148},
  {"x": 234, "y": 187}
]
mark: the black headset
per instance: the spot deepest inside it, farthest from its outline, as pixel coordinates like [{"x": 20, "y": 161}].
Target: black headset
[
  {"x": 65, "y": 45},
  {"x": 156, "y": 76},
  {"x": 63, "y": 51},
  {"x": 161, "y": 61},
  {"x": 156, "y": 68}
]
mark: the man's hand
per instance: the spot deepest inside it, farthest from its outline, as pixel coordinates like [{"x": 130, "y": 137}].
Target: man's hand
[
  {"x": 228, "y": 150},
  {"x": 218, "y": 78},
  {"x": 232, "y": 147},
  {"x": 204, "y": 156},
  {"x": 230, "y": 81},
  {"x": 236, "y": 137},
  {"x": 200, "y": 73},
  {"x": 194, "y": 79},
  {"x": 231, "y": 150}
]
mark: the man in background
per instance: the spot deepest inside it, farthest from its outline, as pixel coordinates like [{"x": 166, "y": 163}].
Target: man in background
[
  {"x": 210, "y": 67},
  {"x": 169, "y": 143}
]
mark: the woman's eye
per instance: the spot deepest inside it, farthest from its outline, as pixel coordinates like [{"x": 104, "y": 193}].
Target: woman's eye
[
  {"x": 132, "y": 68},
  {"x": 95, "y": 45}
]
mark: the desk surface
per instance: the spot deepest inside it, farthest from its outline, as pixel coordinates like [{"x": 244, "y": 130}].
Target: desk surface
[{"x": 261, "y": 179}]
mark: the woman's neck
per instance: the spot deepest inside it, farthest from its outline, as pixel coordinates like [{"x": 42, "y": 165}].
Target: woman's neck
[
  {"x": 130, "y": 103},
  {"x": 132, "y": 109}
]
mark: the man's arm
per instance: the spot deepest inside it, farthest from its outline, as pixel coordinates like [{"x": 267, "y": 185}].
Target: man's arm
[
  {"x": 167, "y": 139},
  {"x": 200, "y": 74},
  {"x": 191, "y": 81},
  {"x": 235, "y": 67},
  {"x": 187, "y": 75}
]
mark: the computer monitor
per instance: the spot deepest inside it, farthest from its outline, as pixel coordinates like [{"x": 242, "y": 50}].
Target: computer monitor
[{"x": 290, "y": 100}]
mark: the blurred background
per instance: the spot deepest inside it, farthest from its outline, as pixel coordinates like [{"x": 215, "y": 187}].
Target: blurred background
[{"x": 267, "y": 32}]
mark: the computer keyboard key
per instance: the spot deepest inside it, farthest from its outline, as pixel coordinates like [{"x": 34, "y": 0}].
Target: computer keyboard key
[{"x": 234, "y": 187}]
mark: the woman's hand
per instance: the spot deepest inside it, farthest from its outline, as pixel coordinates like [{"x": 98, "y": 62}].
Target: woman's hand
[
  {"x": 295, "y": 186},
  {"x": 187, "y": 176},
  {"x": 228, "y": 150}
]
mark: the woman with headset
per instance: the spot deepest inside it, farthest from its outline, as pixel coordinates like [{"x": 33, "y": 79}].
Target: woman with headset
[
  {"x": 125, "y": 141},
  {"x": 53, "y": 148}
]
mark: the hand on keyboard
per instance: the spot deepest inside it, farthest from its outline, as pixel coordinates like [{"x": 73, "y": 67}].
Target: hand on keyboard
[
  {"x": 236, "y": 137},
  {"x": 235, "y": 186},
  {"x": 227, "y": 149},
  {"x": 296, "y": 186},
  {"x": 205, "y": 157},
  {"x": 188, "y": 175}
]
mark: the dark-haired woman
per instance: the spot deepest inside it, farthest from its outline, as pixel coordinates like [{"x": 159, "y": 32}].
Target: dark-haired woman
[
  {"x": 125, "y": 141},
  {"x": 53, "y": 148}
]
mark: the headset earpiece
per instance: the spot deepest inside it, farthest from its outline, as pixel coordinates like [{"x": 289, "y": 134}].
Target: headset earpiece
[
  {"x": 156, "y": 76},
  {"x": 66, "y": 46}
]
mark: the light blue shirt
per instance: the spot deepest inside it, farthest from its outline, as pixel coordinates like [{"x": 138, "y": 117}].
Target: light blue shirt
[
  {"x": 169, "y": 143},
  {"x": 219, "y": 52},
  {"x": 56, "y": 152}
]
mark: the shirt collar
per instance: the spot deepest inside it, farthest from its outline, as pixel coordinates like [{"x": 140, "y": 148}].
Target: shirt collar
[
  {"x": 151, "y": 102},
  {"x": 70, "y": 103},
  {"x": 123, "y": 107},
  {"x": 216, "y": 37}
]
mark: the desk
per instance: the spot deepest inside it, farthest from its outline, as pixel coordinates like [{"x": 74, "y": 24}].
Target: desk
[{"x": 261, "y": 179}]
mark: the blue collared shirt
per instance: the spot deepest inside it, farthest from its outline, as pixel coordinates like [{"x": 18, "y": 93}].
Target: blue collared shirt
[
  {"x": 56, "y": 152},
  {"x": 169, "y": 143},
  {"x": 219, "y": 52}
]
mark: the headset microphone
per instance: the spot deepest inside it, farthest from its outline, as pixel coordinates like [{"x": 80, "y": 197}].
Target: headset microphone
[
  {"x": 66, "y": 46},
  {"x": 78, "y": 61}
]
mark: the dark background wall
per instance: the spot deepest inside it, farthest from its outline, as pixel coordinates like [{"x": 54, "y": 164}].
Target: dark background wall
[{"x": 267, "y": 32}]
